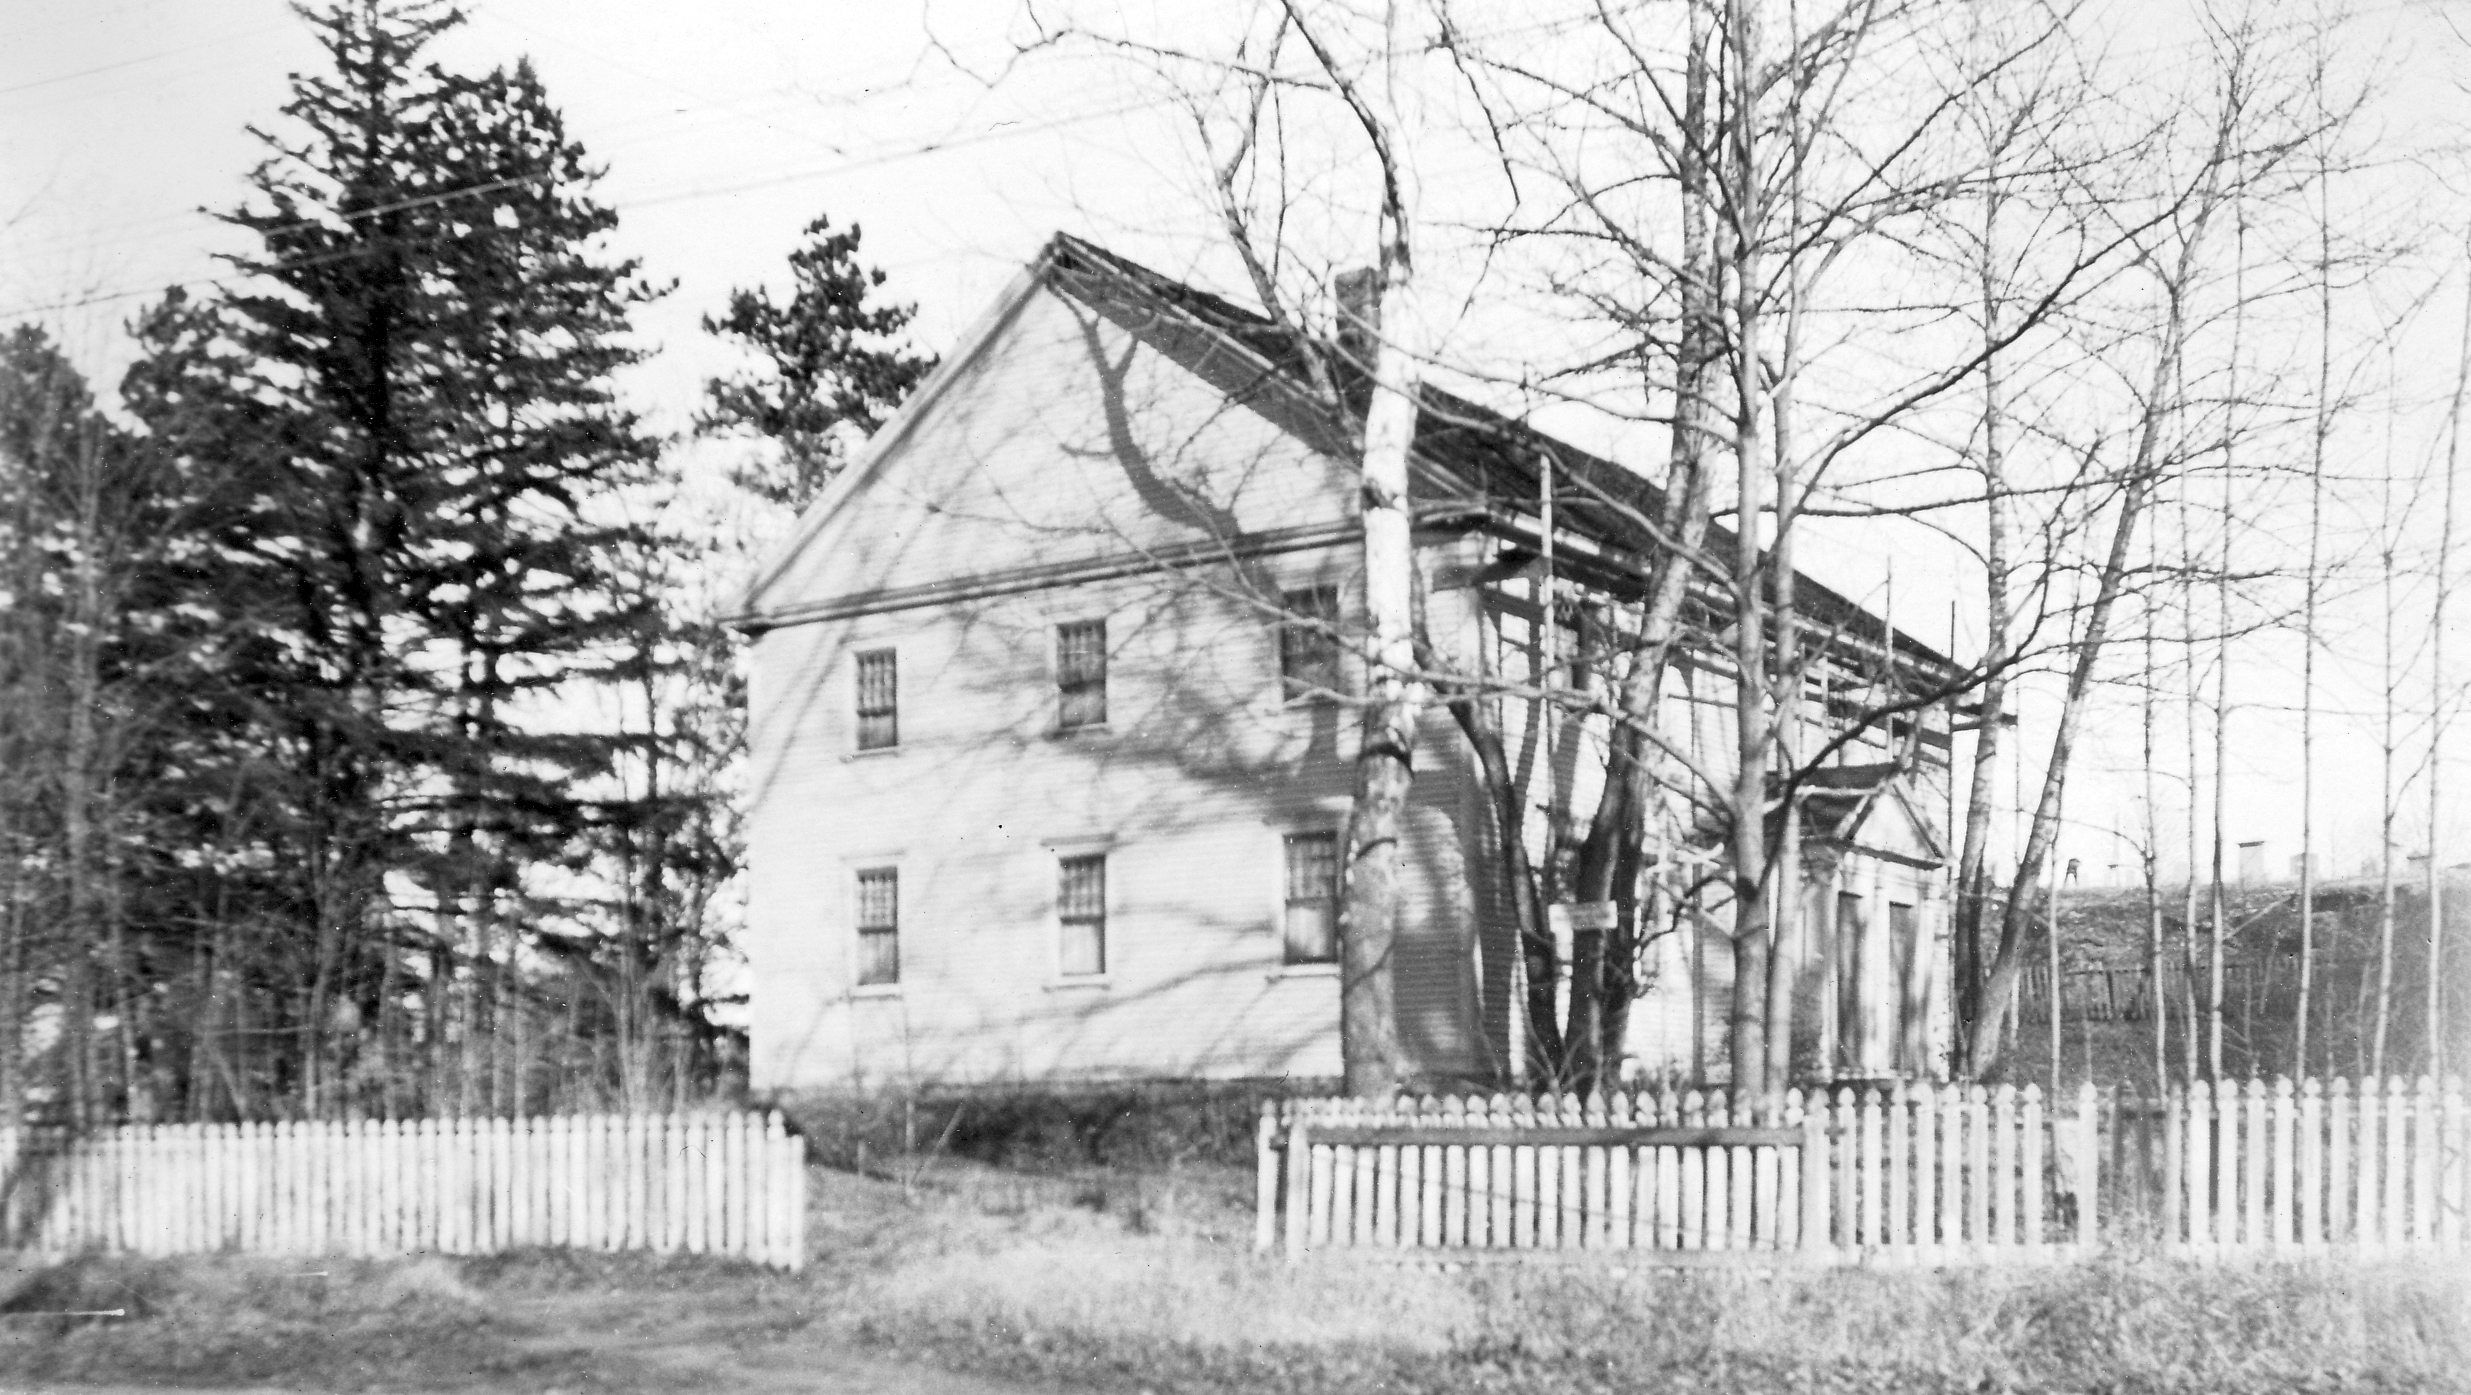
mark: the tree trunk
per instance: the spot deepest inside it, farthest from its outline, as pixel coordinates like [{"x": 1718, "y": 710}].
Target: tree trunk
[
  {"x": 1982, "y": 1046},
  {"x": 1610, "y": 858},
  {"x": 1753, "y": 732},
  {"x": 1375, "y": 1057},
  {"x": 2433, "y": 1061}
]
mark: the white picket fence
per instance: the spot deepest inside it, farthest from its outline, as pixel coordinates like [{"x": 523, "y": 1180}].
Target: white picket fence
[
  {"x": 731, "y": 1184},
  {"x": 1917, "y": 1174},
  {"x": 2377, "y": 1166}
]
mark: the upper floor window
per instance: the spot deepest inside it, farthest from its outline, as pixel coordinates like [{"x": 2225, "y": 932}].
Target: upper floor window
[
  {"x": 1311, "y": 921},
  {"x": 879, "y": 701},
  {"x": 879, "y": 925},
  {"x": 1081, "y": 674},
  {"x": 1308, "y": 643},
  {"x": 1081, "y": 908}
]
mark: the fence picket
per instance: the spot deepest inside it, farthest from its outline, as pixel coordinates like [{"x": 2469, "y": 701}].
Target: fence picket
[
  {"x": 1621, "y": 1176},
  {"x": 1387, "y": 1169},
  {"x": 1570, "y": 1225},
  {"x": 368, "y": 1188},
  {"x": 2397, "y": 1106},
  {"x": 1698, "y": 1167},
  {"x": 2088, "y": 1180},
  {"x": 1741, "y": 1200},
  {"x": 2029, "y": 1178},
  {"x": 1420, "y": 1179},
  {"x": 1899, "y": 1143},
  {"x": 2255, "y": 1153},
  {"x": 1868, "y": 1231},
  {"x": 2452, "y": 1196},
  {"x": 2424, "y": 1161}
]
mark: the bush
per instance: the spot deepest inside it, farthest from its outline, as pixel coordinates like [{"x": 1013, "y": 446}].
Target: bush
[{"x": 1134, "y": 1125}]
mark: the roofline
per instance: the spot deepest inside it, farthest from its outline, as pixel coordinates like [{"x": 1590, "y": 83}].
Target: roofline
[
  {"x": 747, "y": 612},
  {"x": 1170, "y": 297}
]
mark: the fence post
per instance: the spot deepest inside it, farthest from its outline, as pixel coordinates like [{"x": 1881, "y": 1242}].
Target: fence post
[
  {"x": 2397, "y": 1109},
  {"x": 2451, "y": 1197},
  {"x": 1621, "y": 1177},
  {"x": 2088, "y": 1166},
  {"x": 1868, "y": 1140},
  {"x": 2032, "y": 1187},
  {"x": 2204, "y": 1139},
  {"x": 2285, "y": 1219},
  {"x": 2338, "y": 1157},
  {"x": 1265, "y": 1178},
  {"x": 1816, "y": 1233},
  {"x": 2424, "y": 1163},
  {"x": 1933, "y": 1206},
  {"x": 1847, "y": 1149},
  {"x": 798, "y": 1202},
  {"x": 1299, "y": 1181},
  {"x": 741, "y": 1171},
  {"x": 1900, "y": 1171}
]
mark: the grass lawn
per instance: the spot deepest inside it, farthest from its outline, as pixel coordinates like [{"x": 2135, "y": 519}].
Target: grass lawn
[{"x": 983, "y": 1281}]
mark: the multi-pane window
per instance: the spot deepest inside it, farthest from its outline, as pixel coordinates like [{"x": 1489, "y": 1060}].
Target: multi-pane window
[
  {"x": 879, "y": 701},
  {"x": 1081, "y": 674},
  {"x": 1308, "y": 643},
  {"x": 1311, "y": 927},
  {"x": 1081, "y": 907},
  {"x": 879, "y": 926}
]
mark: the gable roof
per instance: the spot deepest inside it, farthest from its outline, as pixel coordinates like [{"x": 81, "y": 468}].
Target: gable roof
[
  {"x": 1478, "y": 468},
  {"x": 1839, "y": 801}
]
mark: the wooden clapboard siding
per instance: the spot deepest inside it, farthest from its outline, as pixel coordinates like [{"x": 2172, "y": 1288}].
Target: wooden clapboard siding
[
  {"x": 1190, "y": 792},
  {"x": 1072, "y": 448},
  {"x": 1070, "y": 434}
]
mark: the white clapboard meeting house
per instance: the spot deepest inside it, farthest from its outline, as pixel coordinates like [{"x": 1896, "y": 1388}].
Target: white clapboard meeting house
[{"x": 1051, "y": 748}]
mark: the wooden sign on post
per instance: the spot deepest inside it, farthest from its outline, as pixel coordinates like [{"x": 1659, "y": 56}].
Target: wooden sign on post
[{"x": 1569, "y": 916}]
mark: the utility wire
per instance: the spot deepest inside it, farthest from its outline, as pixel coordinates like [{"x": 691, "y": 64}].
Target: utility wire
[
  {"x": 97, "y": 71},
  {"x": 650, "y": 201}
]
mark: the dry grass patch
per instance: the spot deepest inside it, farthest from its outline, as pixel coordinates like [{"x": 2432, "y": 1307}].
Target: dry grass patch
[{"x": 1098, "y": 1281}]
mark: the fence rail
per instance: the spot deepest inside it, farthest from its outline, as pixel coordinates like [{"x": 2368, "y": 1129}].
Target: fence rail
[
  {"x": 1916, "y": 1174},
  {"x": 731, "y": 1184}
]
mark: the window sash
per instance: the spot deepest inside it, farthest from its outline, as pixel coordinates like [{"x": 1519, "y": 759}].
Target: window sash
[
  {"x": 879, "y": 957},
  {"x": 1081, "y": 907},
  {"x": 1307, "y": 650},
  {"x": 1310, "y": 926},
  {"x": 1081, "y": 673},
  {"x": 879, "y": 926},
  {"x": 879, "y": 700}
]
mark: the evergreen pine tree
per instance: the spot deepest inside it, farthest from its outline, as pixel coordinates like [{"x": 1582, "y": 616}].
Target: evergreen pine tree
[
  {"x": 406, "y": 411},
  {"x": 833, "y": 367}
]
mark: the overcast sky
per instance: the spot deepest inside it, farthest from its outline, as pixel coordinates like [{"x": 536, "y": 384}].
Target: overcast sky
[{"x": 727, "y": 124}]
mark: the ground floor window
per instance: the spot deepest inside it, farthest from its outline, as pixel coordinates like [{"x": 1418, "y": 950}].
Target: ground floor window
[
  {"x": 1081, "y": 907},
  {"x": 1311, "y": 922},
  {"x": 879, "y": 926}
]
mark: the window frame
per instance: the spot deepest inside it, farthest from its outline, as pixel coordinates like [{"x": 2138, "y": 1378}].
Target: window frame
[
  {"x": 889, "y": 712},
  {"x": 864, "y": 929},
  {"x": 1309, "y": 616},
  {"x": 1080, "y": 674},
  {"x": 1290, "y": 901},
  {"x": 1070, "y": 915}
]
